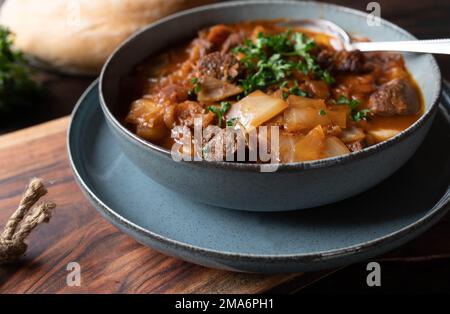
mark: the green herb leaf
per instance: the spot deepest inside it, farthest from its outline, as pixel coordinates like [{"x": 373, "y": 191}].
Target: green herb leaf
[
  {"x": 353, "y": 104},
  {"x": 295, "y": 90},
  {"x": 360, "y": 115},
  {"x": 322, "y": 112},
  {"x": 326, "y": 76},
  {"x": 17, "y": 89},
  {"x": 220, "y": 111},
  {"x": 197, "y": 85},
  {"x": 232, "y": 122},
  {"x": 273, "y": 58}
]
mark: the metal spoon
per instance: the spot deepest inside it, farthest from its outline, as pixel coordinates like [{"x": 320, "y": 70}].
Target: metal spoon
[{"x": 344, "y": 41}]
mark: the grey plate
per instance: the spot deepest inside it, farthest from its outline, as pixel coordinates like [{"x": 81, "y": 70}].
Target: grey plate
[{"x": 381, "y": 219}]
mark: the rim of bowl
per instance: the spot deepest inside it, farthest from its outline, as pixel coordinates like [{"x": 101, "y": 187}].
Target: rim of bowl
[{"x": 321, "y": 163}]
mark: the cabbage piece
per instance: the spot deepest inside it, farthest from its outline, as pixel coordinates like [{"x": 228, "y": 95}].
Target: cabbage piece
[
  {"x": 153, "y": 133},
  {"x": 148, "y": 117},
  {"x": 383, "y": 134},
  {"x": 338, "y": 115},
  {"x": 287, "y": 147},
  {"x": 300, "y": 102},
  {"x": 303, "y": 119},
  {"x": 352, "y": 134},
  {"x": 306, "y": 113},
  {"x": 144, "y": 110},
  {"x": 312, "y": 146},
  {"x": 213, "y": 90},
  {"x": 334, "y": 147},
  {"x": 255, "y": 109},
  {"x": 315, "y": 145}
]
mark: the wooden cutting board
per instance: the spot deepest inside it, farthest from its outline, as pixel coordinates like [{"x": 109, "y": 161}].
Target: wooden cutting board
[{"x": 111, "y": 262}]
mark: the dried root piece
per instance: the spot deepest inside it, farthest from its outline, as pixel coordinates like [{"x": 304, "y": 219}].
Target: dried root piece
[{"x": 19, "y": 226}]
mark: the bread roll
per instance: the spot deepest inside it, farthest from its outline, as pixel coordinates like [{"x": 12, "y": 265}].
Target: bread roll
[{"x": 77, "y": 36}]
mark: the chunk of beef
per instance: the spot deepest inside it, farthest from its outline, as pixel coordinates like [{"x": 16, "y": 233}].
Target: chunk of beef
[
  {"x": 356, "y": 146},
  {"x": 223, "y": 39},
  {"x": 222, "y": 66},
  {"x": 342, "y": 61},
  {"x": 200, "y": 48},
  {"x": 218, "y": 34},
  {"x": 383, "y": 61},
  {"x": 234, "y": 40},
  {"x": 173, "y": 93},
  {"x": 318, "y": 88},
  {"x": 184, "y": 114},
  {"x": 397, "y": 97},
  {"x": 222, "y": 142}
]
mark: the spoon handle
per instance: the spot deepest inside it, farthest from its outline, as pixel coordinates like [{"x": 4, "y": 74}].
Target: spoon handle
[{"x": 427, "y": 46}]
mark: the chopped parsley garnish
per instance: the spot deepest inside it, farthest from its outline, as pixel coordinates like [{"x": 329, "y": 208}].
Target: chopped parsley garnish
[
  {"x": 197, "y": 85},
  {"x": 295, "y": 90},
  {"x": 353, "y": 104},
  {"x": 220, "y": 111},
  {"x": 326, "y": 76},
  {"x": 271, "y": 59},
  {"x": 17, "y": 89},
  {"x": 361, "y": 115},
  {"x": 322, "y": 112},
  {"x": 232, "y": 122},
  {"x": 284, "y": 84}
]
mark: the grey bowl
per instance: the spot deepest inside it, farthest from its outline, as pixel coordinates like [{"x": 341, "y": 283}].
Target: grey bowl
[{"x": 243, "y": 185}]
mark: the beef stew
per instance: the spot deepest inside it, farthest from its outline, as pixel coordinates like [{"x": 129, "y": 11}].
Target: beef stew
[{"x": 324, "y": 102}]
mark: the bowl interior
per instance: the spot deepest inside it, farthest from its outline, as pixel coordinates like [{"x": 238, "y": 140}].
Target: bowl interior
[{"x": 183, "y": 26}]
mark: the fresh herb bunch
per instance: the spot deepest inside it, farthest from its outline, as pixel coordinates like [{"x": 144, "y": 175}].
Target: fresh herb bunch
[
  {"x": 271, "y": 59},
  {"x": 17, "y": 89},
  {"x": 353, "y": 104}
]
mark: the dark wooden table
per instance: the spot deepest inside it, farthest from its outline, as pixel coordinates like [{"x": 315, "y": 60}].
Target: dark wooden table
[{"x": 78, "y": 233}]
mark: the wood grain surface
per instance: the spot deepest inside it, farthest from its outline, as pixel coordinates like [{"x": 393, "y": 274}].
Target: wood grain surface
[{"x": 111, "y": 262}]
